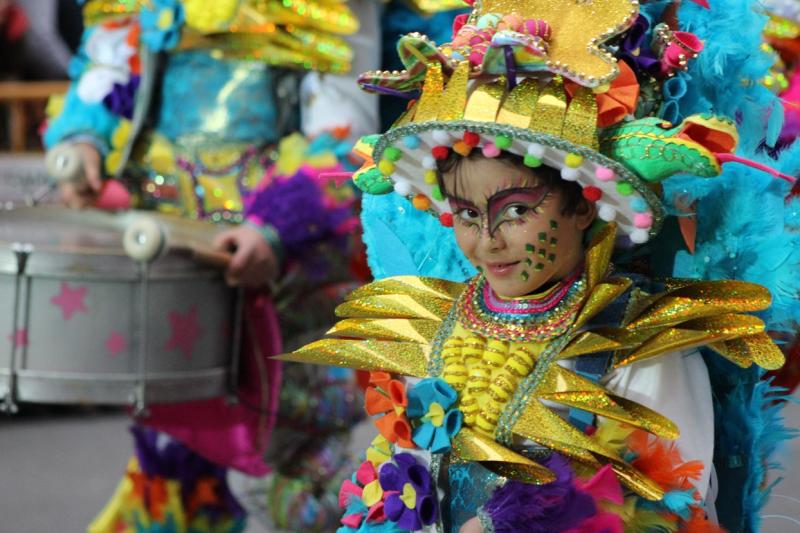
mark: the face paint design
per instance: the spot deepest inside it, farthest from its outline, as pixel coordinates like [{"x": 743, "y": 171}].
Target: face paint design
[
  {"x": 553, "y": 225},
  {"x": 506, "y": 206}
]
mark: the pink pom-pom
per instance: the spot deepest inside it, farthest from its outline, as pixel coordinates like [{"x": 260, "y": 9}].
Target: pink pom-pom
[
  {"x": 643, "y": 220},
  {"x": 490, "y": 150},
  {"x": 604, "y": 174}
]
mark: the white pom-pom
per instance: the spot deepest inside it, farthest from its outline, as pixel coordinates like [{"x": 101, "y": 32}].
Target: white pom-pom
[
  {"x": 429, "y": 163},
  {"x": 441, "y": 138},
  {"x": 607, "y": 213},
  {"x": 570, "y": 174},
  {"x": 402, "y": 187},
  {"x": 536, "y": 150},
  {"x": 639, "y": 236}
]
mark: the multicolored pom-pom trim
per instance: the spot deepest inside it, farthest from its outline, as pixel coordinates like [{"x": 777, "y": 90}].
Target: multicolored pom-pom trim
[{"x": 573, "y": 167}]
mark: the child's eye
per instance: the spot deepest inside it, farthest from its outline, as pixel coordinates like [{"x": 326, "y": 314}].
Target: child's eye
[
  {"x": 516, "y": 211},
  {"x": 469, "y": 215}
]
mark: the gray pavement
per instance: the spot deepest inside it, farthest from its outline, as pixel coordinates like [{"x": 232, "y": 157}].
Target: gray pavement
[{"x": 58, "y": 468}]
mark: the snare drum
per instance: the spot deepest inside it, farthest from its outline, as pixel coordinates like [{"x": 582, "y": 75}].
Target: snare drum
[{"x": 81, "y": 322}]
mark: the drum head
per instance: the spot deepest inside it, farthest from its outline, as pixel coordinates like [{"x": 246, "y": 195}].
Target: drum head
[{"x": 91, "y": 241}]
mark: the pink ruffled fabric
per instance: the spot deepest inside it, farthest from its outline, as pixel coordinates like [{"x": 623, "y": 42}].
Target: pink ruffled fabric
[{"x": 234, "y": 435}]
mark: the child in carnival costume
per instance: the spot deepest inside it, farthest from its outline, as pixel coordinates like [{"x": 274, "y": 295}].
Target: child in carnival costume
[
  {"x": 186, "y": 105},
  {"x": 552, "y": 391}
]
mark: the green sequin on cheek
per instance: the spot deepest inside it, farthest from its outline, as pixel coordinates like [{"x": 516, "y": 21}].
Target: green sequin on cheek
[
  {"x": 539, "y": 266},
  {"x": 528, "y": 261},
  {"x": 551, "y": 258},
  {"x": 542, "y": 237},
  {"x": 530, "y": 248},
  {"x": 524, "y": 275},
  {"x": 553, "y": 225},
  {"x": 553, "y": 242}
]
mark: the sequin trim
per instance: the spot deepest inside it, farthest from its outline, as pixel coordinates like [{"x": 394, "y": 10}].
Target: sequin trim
[{"x": 522, "y": 319}]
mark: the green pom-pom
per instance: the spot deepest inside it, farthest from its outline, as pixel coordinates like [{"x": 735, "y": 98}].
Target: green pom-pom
[
  {"x": 532, "y": 161},
  {"x": 392, "y": 153},
  {"x": 437, "y": 193},
  {"x": 371, "y": 181},
  {"x": 624, "y": 188},
  {"x": 503, "y": 142}
]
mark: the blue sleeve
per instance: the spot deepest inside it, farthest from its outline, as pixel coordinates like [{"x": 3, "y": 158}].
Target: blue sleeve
[{"x": 78, "y": 117}]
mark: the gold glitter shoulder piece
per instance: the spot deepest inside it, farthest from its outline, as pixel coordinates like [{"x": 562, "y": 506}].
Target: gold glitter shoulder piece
[
  {"x": 388, "y": 325},
  {"x": 701, "y": 313}
]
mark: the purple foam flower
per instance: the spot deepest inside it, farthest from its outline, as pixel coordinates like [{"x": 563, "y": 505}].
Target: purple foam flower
[
  {"x": 122, "y": 98},
  {"x": 410, "y": 493},
  {"x": 636, "y": 52}
]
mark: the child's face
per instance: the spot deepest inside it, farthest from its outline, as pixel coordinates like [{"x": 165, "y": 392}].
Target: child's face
[{"x": 510, "y": 225}]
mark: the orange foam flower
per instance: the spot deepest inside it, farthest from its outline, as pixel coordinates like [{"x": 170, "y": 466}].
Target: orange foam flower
[{"x": 387, "y": 397}]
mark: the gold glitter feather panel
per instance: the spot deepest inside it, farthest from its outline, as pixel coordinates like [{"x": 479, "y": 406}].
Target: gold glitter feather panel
[
  {"x": 394, "y": 306},
  {"x": 404, "y": 358},
  {"x": 543, "y": 426},
  {"x": 568, "y": 388},
  {"x": 757, "y": 348},
  {"x": 588, "y": 342},
  {"x": 388, "y": 329},
  {"x": 598, "y": 254},
  {"x": 703, "y": 299},
  {"x": 418, "y": 287},
  {"x": 649, "y": 420},
  {"x": 469, "y": 445},
  {"x": 600, "y": 297}
]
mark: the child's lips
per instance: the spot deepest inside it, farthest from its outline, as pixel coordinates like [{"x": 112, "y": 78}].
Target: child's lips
[{"x": 501, "y": 269}]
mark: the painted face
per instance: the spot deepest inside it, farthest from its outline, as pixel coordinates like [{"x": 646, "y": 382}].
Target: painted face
[{"x": 509, "y": 225}]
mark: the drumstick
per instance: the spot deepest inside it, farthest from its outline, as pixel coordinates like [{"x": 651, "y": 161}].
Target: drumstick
[
  {"x": 145, "y": 239},
  {"x": 209, "y": 256}
]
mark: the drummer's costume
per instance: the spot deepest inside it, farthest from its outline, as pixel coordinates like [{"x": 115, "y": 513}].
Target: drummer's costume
[
  {"x": 190, "y": 103},
  {"x": 587, "y": 407}
]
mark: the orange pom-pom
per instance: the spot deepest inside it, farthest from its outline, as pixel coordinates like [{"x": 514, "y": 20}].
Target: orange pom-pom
[
  {"x": 462, "y": 148},
  {"x": 421, "y": 202}
]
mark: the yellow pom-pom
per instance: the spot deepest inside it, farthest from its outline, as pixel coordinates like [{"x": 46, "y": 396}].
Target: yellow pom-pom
[
  {"x": 573, "y": 160},
  {"x": 386, "y": 167},
  {"x": 430, "y": 177}
]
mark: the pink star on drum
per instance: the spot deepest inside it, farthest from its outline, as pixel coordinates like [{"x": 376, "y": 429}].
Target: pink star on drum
[
  {"x": 19, "y": 337},
  {"x": 116, "y": 343},
  {"x": 185, "y": 331},
  {"x": 70, "y": 300}
]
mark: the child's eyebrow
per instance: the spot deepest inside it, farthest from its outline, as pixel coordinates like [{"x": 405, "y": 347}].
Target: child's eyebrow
[
  {"x": 461, "y": 201},
  {"x": 496, "y": 197}
]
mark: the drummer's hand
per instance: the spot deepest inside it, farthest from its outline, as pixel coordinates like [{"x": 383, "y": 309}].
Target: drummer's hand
[
  {"x": 473, "y": 525},
  {"x": 84, "y": 193},
  {"x": 254, "y": 263}
]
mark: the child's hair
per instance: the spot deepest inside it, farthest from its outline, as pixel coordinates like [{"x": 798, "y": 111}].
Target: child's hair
[{"x": 573, "y": 202}]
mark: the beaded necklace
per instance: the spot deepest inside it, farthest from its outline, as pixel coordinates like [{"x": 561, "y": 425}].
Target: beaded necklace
[{"x": 534, "y": 318}]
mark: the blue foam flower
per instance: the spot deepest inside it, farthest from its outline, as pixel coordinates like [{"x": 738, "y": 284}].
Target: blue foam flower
[
  {"x": 161, "y": 24},
  {"x": 430, "y": 402}
]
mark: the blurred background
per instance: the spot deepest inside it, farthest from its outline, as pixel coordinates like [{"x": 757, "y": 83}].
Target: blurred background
[{"x": 60, "y": 464}]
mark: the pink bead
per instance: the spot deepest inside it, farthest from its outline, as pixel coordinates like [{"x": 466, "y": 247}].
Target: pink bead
[
  {"x": 490, "y": 150},
  {"x": 604, "y": 174},
  {"x": 643, "y": 220}
]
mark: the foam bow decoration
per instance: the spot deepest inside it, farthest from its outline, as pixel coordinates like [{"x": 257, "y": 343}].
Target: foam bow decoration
[
  {"x": 387, "y": 397},
  {"x": 431, "y": 401}
]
